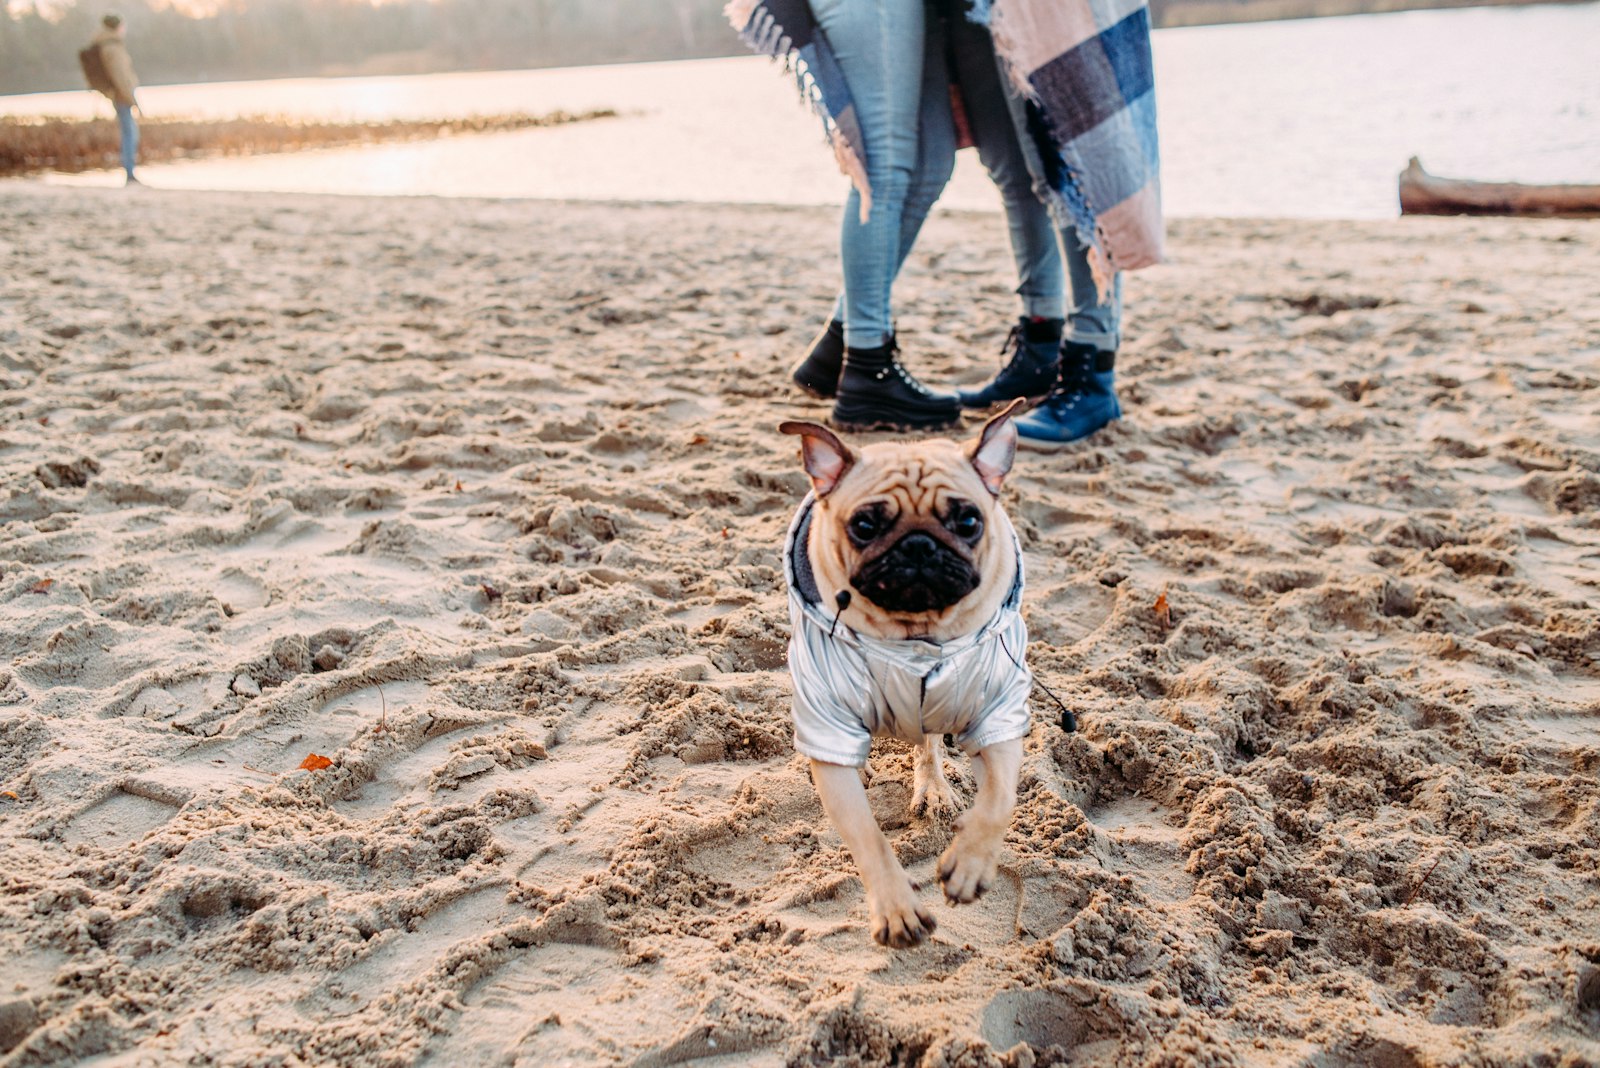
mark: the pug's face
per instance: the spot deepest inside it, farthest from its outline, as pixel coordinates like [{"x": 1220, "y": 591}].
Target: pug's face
[{"x": 912, "y": 531}]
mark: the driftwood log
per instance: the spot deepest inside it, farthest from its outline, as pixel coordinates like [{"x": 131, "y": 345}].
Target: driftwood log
[{"x": 1423, "y": 194}]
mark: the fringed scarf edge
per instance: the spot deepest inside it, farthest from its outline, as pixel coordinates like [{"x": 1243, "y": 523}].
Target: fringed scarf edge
[
  {"x": 1070, "y": 205},
  {"x": 760, "y": 30}
]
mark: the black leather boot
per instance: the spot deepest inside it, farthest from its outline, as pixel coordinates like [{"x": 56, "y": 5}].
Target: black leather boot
[
  {"x": 877, "y": 393},
  {"x": 1035, "y": 348},
  {"x": 818, "y": 373}
]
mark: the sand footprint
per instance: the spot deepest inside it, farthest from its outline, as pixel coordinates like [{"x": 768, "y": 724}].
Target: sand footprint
[{"x": 239, "y": 592}]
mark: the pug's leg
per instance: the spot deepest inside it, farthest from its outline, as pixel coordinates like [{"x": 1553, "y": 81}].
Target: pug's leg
[
  {"x": 896, "y": 918},
  {"x": 930, "y": 789},
  {"x": 968, "y": 867}
]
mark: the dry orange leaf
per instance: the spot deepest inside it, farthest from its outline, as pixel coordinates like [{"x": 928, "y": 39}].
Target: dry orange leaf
[
  {"x": 699, "y": 439},
  {"x": 10, "y": 794},
  {"x": 42, "y": 586},
  {"x": 1163, "y": 611},
  {"x": 458, "y": 485},
  {"x": 315, "y": 762}
]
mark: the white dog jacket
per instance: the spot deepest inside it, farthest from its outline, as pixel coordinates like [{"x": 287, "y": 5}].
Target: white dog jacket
[{"x": 849, "y": 687}]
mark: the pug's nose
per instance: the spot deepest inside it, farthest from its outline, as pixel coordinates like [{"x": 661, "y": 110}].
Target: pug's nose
[{"x": 918, "y": 548}]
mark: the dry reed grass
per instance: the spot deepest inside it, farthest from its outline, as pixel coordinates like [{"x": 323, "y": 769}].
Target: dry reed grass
[{"x": 29, "y": 145}]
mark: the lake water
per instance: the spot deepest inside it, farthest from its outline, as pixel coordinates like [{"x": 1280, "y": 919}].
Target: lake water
[{"x": 1311, "y": 118}]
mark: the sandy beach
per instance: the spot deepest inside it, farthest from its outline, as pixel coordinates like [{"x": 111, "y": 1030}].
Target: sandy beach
[{"x": 481, "y": 503}]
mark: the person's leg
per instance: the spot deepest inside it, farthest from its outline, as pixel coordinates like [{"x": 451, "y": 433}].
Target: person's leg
[
  {"x": 1041, "y": 283},
  {"x": 1083, "y": 399},
  {"x": 936, "y": 139},
  {"x": 879, "y": 48},
  {"x": 128, "y": 131},
  {"x": 1091, "y": 321},
  {"x": 1032, "y": 349},
  {"x": 818, "y": 372}
]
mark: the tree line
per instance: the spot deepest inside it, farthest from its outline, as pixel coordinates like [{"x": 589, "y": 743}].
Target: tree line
[{"x": 247, "y": 39}]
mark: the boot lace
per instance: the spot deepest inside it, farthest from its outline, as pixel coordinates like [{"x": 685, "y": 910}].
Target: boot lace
[
  {"x": 1013, "y": 345},
  {"x": 897, "y": 369},
  {"x": 1069, "y": 387}
]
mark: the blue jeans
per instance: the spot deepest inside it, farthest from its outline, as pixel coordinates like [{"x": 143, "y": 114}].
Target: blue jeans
[
  {"x": 996, "y": 114},
  {"x": 130, "y": 137},
  {"x": 891, "y": 53}
]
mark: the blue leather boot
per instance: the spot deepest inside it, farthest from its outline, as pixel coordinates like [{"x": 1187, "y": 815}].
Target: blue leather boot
[{"x": 1082, "y": 401}]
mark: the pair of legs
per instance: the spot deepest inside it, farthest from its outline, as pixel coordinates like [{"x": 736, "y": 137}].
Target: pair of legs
[
  {"x": 899, "y": 58},
  {"x": 966, "y": 869},
  {"x": 128, "y": 130}
]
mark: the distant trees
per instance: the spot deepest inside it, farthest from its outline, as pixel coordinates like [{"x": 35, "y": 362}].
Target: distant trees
[{"x": 244, "y": 39}]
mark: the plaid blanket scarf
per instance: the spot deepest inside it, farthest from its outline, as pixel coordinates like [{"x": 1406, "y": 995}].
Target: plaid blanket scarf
[{"x": 1086, "y": 68}]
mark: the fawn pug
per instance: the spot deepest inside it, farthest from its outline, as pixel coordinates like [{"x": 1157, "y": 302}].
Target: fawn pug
[{"x": 905, "y": 582}]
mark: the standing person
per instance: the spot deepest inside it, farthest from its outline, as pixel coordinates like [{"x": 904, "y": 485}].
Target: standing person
[{"x": 115, "y": 78}]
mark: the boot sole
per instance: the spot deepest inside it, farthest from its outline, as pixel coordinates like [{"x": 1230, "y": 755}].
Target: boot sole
[
  {"x": 1046, "y": 445},
  {"x": 812, "y": 391},
  {"x": 871, "y": 426}
]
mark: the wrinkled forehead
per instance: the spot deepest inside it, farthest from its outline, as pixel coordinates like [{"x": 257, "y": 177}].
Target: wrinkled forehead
[{"x": 918, "y": 478}]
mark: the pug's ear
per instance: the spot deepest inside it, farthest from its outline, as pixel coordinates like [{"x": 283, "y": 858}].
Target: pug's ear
[
  {"x": 824, "y": 456},
  {"x": 995, "y": 449}
]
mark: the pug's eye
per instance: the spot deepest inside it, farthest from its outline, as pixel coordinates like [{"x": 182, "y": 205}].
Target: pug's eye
[
  {"x": 863, "y": 526},
  {"x": 966, "y": 523}
]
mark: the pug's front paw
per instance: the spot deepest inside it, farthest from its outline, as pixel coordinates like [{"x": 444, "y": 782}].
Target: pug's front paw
[
  {"x": 968, "y": 867},
  {"x": 898, "y": 921}
]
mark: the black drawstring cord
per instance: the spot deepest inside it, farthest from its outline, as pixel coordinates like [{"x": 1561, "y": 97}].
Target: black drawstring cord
[
  {"x": 842, "y": 599},
  {"x": 1069, "y": 722}
]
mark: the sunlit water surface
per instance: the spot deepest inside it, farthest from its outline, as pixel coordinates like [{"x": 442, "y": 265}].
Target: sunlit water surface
[{"x": 1311, "y": 119}]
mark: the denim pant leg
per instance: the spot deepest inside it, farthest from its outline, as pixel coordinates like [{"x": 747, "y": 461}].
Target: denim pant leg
[
  {"x": 1089, "y": 321},
  {"x": 879, "y": 45},
  {"x": 936, "y": 148},
  {"x": 1041, "y": 282},
  {"x": 129, "y": 131}
]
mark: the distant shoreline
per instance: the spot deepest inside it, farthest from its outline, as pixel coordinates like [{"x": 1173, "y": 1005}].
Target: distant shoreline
[{"x": 68, "y": 146}]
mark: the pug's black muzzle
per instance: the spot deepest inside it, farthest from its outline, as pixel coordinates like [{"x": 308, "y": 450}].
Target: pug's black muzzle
[{"x": 917, "y": 575}]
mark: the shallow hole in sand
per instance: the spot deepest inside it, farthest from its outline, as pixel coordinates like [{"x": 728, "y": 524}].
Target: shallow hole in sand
[
  {"x": 1589, "y": 992},
  {"x": 238, "y": 591},
  {"x": 1038, "y": 1017},
  {"x": 1134, "y": 817},
  {"x": 1150, "y": 845},
  {"x": 406, "y": 955},
  {"x": 1368, "y": 1053},
  {"x": 119, "y": 820},
  {"x": 1567, "y": 730}
]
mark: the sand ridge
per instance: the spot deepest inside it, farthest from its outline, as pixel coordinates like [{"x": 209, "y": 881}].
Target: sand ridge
[{"x": 484, "y": 502}]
